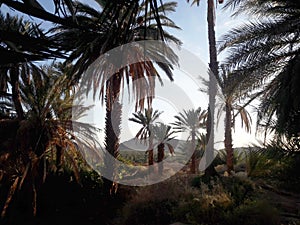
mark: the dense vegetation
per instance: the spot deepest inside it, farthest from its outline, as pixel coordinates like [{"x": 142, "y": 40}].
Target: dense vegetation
[{"x": 44, "y": 175}]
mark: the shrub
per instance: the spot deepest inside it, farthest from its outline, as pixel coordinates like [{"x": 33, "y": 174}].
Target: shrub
[
  {"x": 239, "y": 188},
  {"x": 255, "y": 212},
  {"x": 207, "y": 207},
  {"x": 155, "y": 204}
]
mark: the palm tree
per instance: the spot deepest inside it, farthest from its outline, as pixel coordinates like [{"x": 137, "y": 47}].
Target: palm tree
[
  {"x": 147, "y": 120},
  {"x": 213, "y": 73},
  {"x": 18, "y": 53},
  {"x": 104, "y": 36},
  {"x": 264, "y": 54},
  {"x": 281, "y": 99},
  {"x": 35, "y": 9},
  {"x": 163, "y": 135},
  {"x": 45, "y": 135},
  {"x": 23, "y": 41},
  {"x": 191, "y": 121},
  {"x": 230, "y": 98},
  {"x": 65, "y": 11}
]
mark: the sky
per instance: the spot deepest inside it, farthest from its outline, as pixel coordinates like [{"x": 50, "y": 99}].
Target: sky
[{"x": 194, "y": 35}]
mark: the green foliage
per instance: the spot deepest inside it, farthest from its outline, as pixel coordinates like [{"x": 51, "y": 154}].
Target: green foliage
[
  {"x": 147, "y": 120},
  {"x": 133, "y": 157},
  {"x": 227, "y": 201},
  {"x": 257, "y": 163},
  {"x": 261, "y": 162},
  {"x": 286, "y": 174},
  {"x": 205, "y": 208},
  {"x": 263, "y": 54},
  {"x": 60, "y": 200},
  {"x": 239, "y": 189},
  {"x": 238, "y": 157}
]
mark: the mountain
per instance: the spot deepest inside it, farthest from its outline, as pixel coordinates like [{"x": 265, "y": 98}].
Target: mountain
[
  {"x": 179, "y": 146},
  {"x": 138, "y": 145}
]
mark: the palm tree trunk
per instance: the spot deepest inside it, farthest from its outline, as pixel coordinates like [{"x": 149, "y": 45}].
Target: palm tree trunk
[
  {"x": 150, "y": 151},
  {"x": 150, "y": 155},
  {"x": 59, "y": 157},
  {"x": 112, "y": 125},
  {"x": 210, "y": 169},
  {"x": 16, "y": 93},
  {"x": 213, "y": 66},
  {"x": 160, "y": 157},
  {"x": 228, "y": 138},
  {"x": 193, "y": 160}
]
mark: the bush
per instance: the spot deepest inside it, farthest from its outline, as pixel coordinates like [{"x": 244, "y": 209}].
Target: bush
[
  {"x": 155, "y": 204},
  {"x": 223, "y": 201},
  {"x": 256, "y": 212},
  {"x": 240, "y": 189},
  {"x": 207, "y": 207}
]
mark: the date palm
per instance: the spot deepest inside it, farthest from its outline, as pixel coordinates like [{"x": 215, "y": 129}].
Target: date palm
[
  {"x": 147, "y": 120},
  {"x": 21, "y": 45},
  {"x": 24, "y": 41},
  {"x": 162, "y": 134},
  {"x": 231, "y": 102},
  {"x": 281, "y": 99},
  {"x": 45, "y": 139},
  {"x": 34, "y": 8},
  {"x": 104, "y": 36},
  {"x": 212, "y": 90},
  {"x": 191, "y": 121},
  {"x": 65, "y": 11},
  {"x": 264, "y": 54}
]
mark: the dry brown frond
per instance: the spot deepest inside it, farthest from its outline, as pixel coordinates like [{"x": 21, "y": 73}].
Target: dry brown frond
[{"x": 11, "y": 192}]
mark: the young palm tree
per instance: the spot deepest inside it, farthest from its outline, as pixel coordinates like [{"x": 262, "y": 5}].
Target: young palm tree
[
  {"x": 163, "y": 135},
  {"x": 147, "y": 120},
  {"x": 191, "y": 121},
  {"x": 264, "y": 54}
]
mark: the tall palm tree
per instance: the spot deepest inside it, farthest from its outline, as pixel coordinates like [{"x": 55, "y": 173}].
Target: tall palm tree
[
  {"x": 163, "y": 135},
  {"x": 213, "y": 73},
  {"x": 147, "y": 120},
  {"x": 104, "y": 36},
  {"x": 191, "y": 121},
  {"x": 264, "y": 54}
]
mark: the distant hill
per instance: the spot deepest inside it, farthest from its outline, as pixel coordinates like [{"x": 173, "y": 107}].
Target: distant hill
[{"x": 138, "y": 145}]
